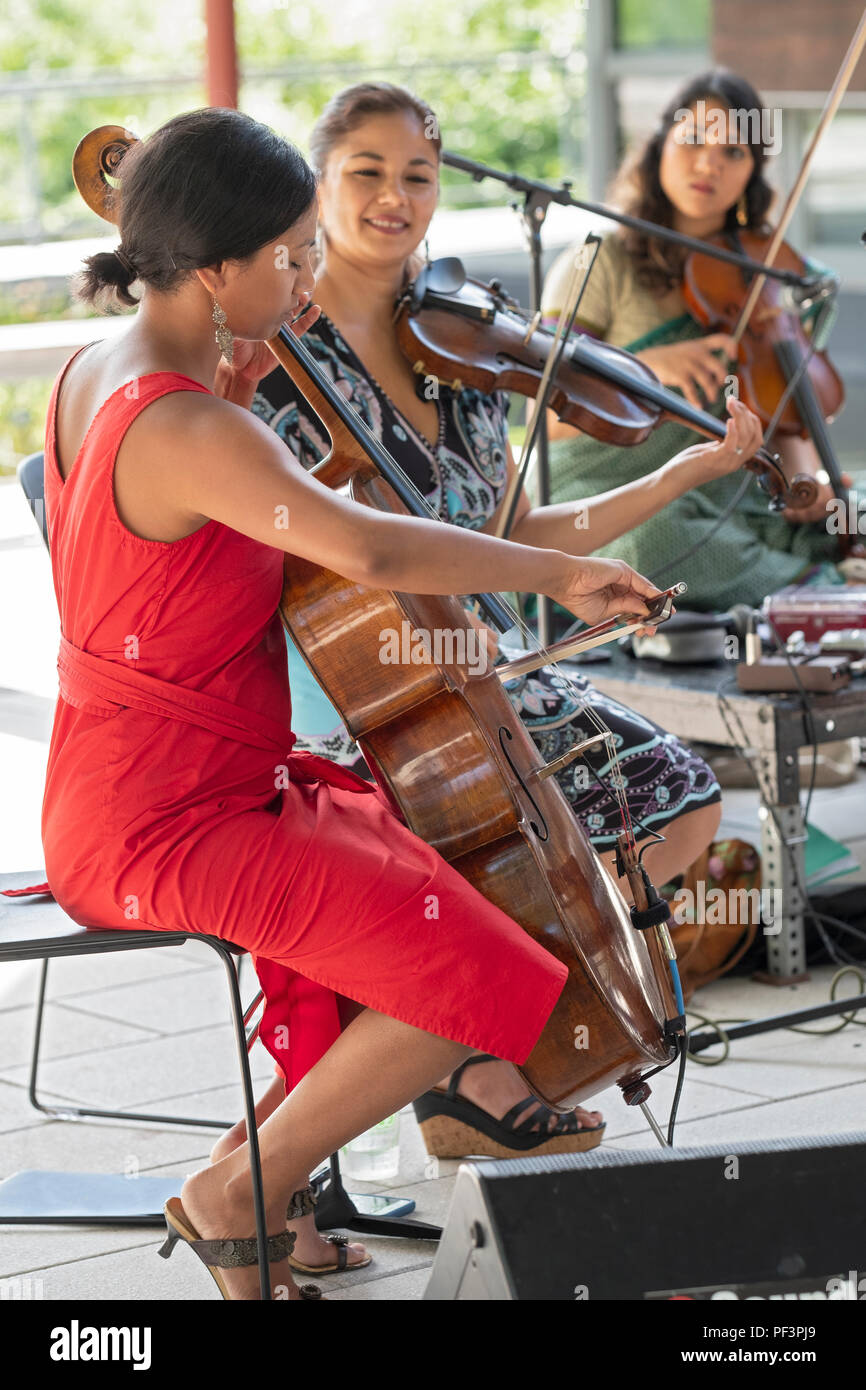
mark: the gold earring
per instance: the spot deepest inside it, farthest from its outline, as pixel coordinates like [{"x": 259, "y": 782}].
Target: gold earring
[
  {"x": 743, "y": 212},
  {"x": 224, "y": 338}
]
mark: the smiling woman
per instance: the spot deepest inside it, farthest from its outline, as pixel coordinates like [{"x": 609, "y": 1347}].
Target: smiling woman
[{"x": 377, "y": 149}]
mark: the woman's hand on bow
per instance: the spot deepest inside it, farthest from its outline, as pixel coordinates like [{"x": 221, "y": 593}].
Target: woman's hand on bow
[{"x": 595, "y": 590}]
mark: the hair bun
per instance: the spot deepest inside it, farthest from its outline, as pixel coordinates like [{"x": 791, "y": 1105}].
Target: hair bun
[{"x": 104, "y": 280}]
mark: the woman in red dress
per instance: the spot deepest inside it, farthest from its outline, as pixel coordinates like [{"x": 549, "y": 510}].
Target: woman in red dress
[{"x": 172, "y": 798}]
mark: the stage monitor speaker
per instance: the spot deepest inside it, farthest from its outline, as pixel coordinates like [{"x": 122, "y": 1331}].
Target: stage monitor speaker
[{"x": 781, "y": 1218}]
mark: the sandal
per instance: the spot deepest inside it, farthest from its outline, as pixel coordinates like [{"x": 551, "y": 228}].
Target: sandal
[
  {"x": 302, "y": 1204},
  {"x": 455, "y": 1128},
  {"x": 225, "y": 1254}
]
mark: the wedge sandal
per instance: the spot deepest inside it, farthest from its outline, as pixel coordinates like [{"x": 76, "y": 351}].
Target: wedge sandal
[{"x": 453, "y": 1127}]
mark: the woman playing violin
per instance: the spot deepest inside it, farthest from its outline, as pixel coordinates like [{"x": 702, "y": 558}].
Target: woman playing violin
[
  {"x": 376, "y": 148},
  {"x": 691, "y": 176},
  {"x": 166, "y": 802}
]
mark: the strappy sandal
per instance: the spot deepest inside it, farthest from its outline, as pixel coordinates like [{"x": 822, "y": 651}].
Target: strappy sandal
[
  {"x": 225, "y": 1254},
  {"x": 455, "y": 1128},
  {"x": 302, "y": 1204}
]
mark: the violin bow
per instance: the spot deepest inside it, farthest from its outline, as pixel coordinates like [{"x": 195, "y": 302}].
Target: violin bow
[{"x": 831, "y": 105}]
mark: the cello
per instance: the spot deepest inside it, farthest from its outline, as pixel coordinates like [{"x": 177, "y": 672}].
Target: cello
[{"x": 455, "y": 762}]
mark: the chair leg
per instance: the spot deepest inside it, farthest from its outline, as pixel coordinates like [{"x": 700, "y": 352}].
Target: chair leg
[
  {"x": 37, "y": 1041},
  {"x": 337, "y": 1207},
  {"x": 74, "y": 1112},
  {"x": 238, "y": 1018}
]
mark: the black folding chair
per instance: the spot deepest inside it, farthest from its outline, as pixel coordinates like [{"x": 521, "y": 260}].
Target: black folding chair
[{"x": 37, "y": 928}]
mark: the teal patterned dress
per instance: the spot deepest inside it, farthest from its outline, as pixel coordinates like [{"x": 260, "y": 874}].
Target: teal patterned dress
[{"x": 462, "y": 475}]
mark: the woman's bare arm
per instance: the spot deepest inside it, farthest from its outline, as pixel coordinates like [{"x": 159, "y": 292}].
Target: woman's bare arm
[{"x": 216, "y": 461}]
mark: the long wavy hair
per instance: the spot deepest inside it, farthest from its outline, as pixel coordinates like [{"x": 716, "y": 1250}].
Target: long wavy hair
[{"x": 637, "y": 188}]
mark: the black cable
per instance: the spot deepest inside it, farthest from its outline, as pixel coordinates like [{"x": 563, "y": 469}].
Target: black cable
[
  {"x": 683, "y": 1045},
  {"x": 698, "y": 545}
]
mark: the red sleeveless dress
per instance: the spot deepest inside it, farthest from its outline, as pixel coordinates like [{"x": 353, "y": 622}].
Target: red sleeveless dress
[{"x": 173, "y": 799}]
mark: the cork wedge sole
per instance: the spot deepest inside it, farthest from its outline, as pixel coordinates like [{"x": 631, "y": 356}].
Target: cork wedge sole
[{"x": 446, "y": 1137}]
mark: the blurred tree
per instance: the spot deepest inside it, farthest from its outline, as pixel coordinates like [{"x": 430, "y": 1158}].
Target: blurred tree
[
  {"x": 506, "y": 82},
  {"x": 662, "y": 24}
]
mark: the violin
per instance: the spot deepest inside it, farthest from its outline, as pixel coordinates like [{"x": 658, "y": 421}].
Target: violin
[
  {"x": 466, "y": 333},
  {"x": 773, "y": 341},
  {"x": 779, "y": 375},
  {"x": 455, "y": 762}
]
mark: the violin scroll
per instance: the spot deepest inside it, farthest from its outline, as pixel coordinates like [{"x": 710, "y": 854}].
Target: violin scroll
[{"x": 803, "y": 490}]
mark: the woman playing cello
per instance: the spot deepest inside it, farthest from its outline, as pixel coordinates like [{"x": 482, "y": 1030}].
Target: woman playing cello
[{"x": 165, "y": 804}]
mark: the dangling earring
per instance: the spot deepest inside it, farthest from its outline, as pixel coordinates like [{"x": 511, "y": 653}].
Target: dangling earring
[
  {"x": 224, "y": 338},
  {"x": 743, "y": 212},
  {"x": 426, "y": 250}
]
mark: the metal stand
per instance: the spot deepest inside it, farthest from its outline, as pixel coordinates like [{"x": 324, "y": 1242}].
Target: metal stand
[
  {"x": 699, "y": 1042},
  {"x": 337, "y": 1207},
  {"x": 535, "y": 205}
]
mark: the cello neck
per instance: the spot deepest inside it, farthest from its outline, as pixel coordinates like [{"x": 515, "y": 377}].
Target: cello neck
[{"x": 346, "y": 428}]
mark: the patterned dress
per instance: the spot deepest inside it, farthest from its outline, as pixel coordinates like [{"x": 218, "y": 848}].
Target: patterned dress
[{"x": 462, "y": 475}]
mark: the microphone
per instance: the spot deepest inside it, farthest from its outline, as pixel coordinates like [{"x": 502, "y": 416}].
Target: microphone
[{"x": 817, "y": 291}]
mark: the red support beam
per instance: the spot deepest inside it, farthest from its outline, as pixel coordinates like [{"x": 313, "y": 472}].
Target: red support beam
[{"x": 222, "y": 57}]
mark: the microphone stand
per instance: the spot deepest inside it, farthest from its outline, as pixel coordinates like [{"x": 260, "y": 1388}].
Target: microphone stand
[{"x": 537, "y": 198}]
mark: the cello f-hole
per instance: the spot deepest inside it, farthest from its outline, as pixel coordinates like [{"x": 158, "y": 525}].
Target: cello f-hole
[{"x": 542, "y": 832}]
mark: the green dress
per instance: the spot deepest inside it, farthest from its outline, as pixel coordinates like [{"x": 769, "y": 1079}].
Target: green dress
[{"x": 753, "y": 552}]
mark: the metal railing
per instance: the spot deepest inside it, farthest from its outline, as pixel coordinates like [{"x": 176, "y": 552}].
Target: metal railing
[{"x": 29, "y": 90}]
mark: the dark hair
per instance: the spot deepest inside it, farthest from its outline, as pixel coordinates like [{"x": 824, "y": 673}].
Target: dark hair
[
  {"x": 208, "y": 186},
  {"x": 349, "y": 108},
  {"x": 637, "y": 189}
]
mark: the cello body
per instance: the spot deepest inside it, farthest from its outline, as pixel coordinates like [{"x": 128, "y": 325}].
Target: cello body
[{"x": 454, "y": 760}]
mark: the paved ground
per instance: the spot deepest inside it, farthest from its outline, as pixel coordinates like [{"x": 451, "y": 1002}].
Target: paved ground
[{"x": 150, "y": 1031}]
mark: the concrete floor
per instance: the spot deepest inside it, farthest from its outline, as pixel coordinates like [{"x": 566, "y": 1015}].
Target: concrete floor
[{"x": 150, "y": 1030}]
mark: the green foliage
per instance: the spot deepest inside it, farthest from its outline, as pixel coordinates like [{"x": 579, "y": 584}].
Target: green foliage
[
  {"x": 23, "y": 407},
  {"x": 506, "y": 84},
  {"x": 662, "y": 23}
]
